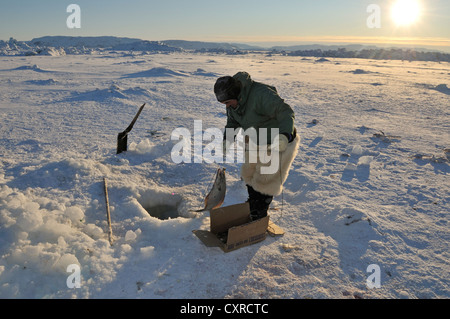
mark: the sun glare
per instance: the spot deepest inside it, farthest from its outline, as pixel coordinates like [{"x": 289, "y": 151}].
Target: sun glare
[{"x": 405, "y": 12}]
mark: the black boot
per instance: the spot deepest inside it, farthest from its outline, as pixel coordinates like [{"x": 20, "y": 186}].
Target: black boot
[{"x": 259, "y": 203}]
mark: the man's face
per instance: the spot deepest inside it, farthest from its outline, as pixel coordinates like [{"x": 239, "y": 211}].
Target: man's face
[{"x": 232, "y": 103}]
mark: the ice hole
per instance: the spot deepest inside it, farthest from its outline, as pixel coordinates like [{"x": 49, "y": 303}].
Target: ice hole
[
  {"x": 163, "y": 205},
  {"x": 163, "y": 211}
]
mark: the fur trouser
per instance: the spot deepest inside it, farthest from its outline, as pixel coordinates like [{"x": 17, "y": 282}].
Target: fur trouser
[{"x": 270, "y": 184}]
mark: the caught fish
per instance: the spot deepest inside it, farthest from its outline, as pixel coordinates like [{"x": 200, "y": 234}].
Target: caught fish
[{"x": 216, "y": 196}]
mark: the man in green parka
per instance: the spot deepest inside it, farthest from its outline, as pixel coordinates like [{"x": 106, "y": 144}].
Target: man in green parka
[{"x": 252, "y": 104}]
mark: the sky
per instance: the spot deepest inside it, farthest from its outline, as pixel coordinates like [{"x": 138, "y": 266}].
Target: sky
[{"x": 242, "y": 21}]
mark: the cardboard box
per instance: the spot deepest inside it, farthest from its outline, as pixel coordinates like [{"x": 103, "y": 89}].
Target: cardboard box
[{"x": 231, "y": 228}]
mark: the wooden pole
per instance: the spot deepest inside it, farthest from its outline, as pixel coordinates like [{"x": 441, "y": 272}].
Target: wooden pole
[{"x": 108, "y": 214}]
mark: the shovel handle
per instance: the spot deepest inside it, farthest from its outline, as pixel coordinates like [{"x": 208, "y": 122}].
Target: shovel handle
[
  {"x": 134, "y": 120},
  {"x": 108, "y": 213}
]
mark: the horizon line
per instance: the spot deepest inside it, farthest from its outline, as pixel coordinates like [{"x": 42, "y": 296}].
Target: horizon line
[
  {"x": 301, "y": 40},
  {"x": 428, "y": 41}
]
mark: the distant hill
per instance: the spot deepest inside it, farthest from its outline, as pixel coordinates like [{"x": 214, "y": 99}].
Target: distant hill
[
  {"x": 103, "y": 42},
  {"x": 350, "y": 47},
  {"x": 87, "y": 42},
  {"x": 199, "y": 45},
  {"x": 375, "y": 53}
]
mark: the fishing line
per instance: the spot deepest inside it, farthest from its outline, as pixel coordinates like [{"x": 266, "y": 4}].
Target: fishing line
[{"x": 282, "y": 189}]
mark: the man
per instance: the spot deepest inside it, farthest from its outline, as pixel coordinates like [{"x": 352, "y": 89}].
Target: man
[{"x": 251, "y": 104}]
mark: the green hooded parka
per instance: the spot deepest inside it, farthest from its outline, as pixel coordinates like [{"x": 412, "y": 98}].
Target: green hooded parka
[{"x": 260, "y": 106}]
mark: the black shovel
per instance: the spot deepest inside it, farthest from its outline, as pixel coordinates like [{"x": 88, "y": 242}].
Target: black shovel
[{"x": 122, "y": 138}]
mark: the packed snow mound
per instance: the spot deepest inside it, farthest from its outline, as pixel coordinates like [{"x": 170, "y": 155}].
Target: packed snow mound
[
  {"x": 42, "y": 82},
  {"x": 58, "y": 174},
  {"x": 34, "y": 67},
  {"x": 202, "y": 72},
  {"x": 151, "y": 150},
  {"x": 114, "y": 91},
  {"x": 360, "y": 71},
  {"x": 443, "y": 88},
  {"x": 155, "y": 72}
]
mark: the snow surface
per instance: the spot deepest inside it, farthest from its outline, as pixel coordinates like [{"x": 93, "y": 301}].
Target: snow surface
[{"x": 369, "y": 186}]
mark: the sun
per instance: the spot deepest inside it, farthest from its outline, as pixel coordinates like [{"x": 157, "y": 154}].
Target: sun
[{"x": 405, "y": 12}]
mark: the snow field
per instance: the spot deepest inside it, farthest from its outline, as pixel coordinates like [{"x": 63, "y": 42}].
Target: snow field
[{"x": 357, "y": 194}]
